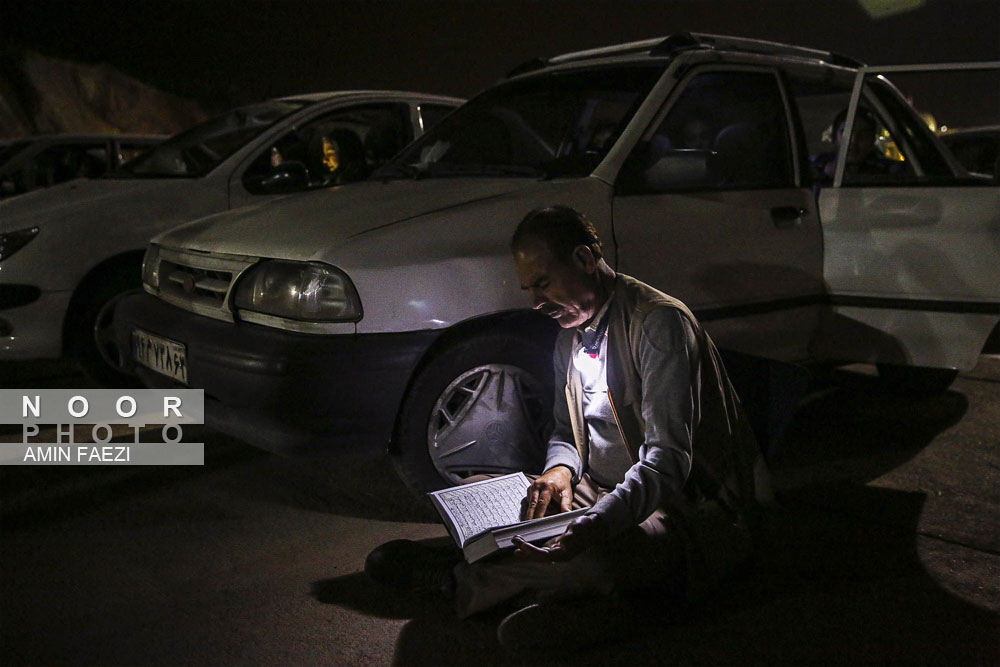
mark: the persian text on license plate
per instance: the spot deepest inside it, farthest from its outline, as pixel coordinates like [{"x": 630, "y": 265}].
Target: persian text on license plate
[{"x": 163, "y": 356}]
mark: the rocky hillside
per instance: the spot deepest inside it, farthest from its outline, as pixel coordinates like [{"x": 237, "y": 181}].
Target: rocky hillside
[{"x": 42, "y": 95}]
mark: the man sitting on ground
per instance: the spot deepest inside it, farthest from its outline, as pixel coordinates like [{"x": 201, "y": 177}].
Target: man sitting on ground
[{"x": 649, "y": 435}]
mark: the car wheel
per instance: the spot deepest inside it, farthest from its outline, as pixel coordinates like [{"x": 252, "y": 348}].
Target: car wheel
[
  {"x": 483, "y": 405},
  {"x": 92, "y": 341},
  {"x": 915, "y": 380}
]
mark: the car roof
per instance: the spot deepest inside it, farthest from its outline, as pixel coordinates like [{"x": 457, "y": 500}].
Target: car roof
[
  {"x": 666, "y": 47},
  {"x": 380, "y": 94}
]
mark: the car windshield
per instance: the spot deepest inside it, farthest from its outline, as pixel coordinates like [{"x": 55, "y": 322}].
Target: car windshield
[
  {"x": 9, "y": 150},
  {"x": 198, "y": 150},
  {"x": 554, "y": 124}
]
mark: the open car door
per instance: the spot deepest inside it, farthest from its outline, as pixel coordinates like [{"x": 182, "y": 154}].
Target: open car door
[{"x": 911, "y": 239}]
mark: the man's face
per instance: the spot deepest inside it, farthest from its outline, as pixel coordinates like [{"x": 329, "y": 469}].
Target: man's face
[{"x": 564, "y": 290}]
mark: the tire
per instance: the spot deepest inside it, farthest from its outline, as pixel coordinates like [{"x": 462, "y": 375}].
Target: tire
[
  {"x": 483, "y": 405},
  {"x": 915, "y": 380},
  {"x": 91, "y": 335}
]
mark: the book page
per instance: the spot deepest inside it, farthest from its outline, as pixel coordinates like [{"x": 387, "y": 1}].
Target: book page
[{"x": 470, "y": 509}]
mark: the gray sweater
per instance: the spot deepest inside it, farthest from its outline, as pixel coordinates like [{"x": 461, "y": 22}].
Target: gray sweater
[
  {"x": 667, "y": 347},
  {"x": 693, "y": 453}
]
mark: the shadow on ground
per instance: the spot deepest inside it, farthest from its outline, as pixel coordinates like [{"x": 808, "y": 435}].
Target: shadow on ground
[
  {"x": 838, "y": 579},
  {"x": 35, "y": 496},
  {"x": 359, "y": 484}
]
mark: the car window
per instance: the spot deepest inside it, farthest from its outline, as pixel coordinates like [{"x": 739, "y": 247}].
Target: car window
[
  {"x": 873, "y": 154},
  {"x": 58, "y": 164},
  {"x": 339, "y": 147},
  {"x": 978, "y": 152},
  {"x": 726, "y": 130},
  {"x": 128, "y": 151},
  {"x": 431, "y": 114},
  {"x": 817, "y": 104},
  {"x": 556, "y": 124},
  {"x": 914, "y": 137},
  {"x": 197, "y": 151},
  {"x": 892, "y": 140}
]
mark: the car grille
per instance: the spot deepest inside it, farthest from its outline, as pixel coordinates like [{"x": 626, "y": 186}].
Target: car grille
[{"x": 200, "y": 282}]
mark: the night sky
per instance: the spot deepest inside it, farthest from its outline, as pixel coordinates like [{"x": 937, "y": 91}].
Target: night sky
[{"x": 228, "y": 52}]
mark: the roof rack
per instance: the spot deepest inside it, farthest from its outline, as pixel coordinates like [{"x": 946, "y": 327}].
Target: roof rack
[
  {"x": 684, "y": 41},
  {"x": 614, "y": 50},
  {"x": 693, "y": 40}
]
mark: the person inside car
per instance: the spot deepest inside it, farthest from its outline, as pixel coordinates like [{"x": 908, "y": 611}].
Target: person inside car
[
  {"x": 340, "y": 158},
  {"x": 863, "y": 158}
]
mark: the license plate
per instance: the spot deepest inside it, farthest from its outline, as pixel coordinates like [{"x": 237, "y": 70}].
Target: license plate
[{"x": 161, "y": 355}]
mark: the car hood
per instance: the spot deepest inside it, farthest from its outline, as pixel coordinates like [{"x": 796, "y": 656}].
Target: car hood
[
  {"x": 77, "y": 199},
  {"x": 303, "y": 226}
]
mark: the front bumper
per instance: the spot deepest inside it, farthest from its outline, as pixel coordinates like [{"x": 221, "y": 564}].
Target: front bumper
[{"x": 295, "y": 394}]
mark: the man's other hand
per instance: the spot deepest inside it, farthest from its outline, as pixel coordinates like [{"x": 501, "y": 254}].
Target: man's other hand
[
  {"x": 554, "y": 488},
  {"x": 582, "y": 533}
]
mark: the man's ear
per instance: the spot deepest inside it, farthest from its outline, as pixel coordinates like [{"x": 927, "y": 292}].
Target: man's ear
[{"x": 583, "y": 256}]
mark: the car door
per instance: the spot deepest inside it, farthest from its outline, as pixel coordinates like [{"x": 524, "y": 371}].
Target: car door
[
  {"x": 710, "y": 207},
  {"x": 334, "y": 148},
  {"x": 912, "y": 251}
]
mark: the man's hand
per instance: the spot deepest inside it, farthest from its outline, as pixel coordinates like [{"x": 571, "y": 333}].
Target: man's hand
[
  {"x": 584, "y": 532},
  {"x": 555, "y": 486}
]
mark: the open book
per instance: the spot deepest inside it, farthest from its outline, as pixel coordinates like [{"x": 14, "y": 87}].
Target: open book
[{"x": 483, "y": 517}]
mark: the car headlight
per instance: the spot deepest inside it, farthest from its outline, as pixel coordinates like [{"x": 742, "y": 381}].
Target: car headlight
[
  {"x": 11, "y": 242},
  {"x": 151, "y": 267},
  {"x": 307, "y": 292}
]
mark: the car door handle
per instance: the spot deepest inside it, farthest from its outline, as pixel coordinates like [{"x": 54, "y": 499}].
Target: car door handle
[{"x": 787, "y": 216}]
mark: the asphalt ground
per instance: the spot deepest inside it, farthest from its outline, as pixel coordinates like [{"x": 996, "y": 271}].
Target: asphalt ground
[{"x": 886, "y": 549}]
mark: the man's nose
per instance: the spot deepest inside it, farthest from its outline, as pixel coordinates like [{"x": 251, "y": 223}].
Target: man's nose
[{"x": 537, "y": 298}]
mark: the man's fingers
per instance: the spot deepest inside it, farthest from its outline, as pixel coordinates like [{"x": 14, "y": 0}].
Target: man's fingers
[
  {"x": 550, "y": 554},
  {"x": 544, "y": 497},
  {"x": 528, "y": 551},
  {"x": 532, "y": 499},
  {"x": 560, "y": 553},
  {"x": 566, "y": 500}
]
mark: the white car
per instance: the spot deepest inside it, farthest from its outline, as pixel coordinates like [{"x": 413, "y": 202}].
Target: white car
[
  {"x": 389, "y": 312},
  {"x": 68, "y": 252}
]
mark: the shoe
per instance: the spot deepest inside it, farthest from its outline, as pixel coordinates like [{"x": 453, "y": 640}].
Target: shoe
[
  {"x": 414, "y": 567},
  {"x": 567, "y": 626}
]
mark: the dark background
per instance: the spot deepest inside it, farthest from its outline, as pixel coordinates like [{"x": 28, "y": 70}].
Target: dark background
[{"x": 225, "y": 52}]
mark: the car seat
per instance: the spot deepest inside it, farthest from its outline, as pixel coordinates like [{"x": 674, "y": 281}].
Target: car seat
[
  {"x": 381, "y": 143},
  {"x": 350, "y": 155}
]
